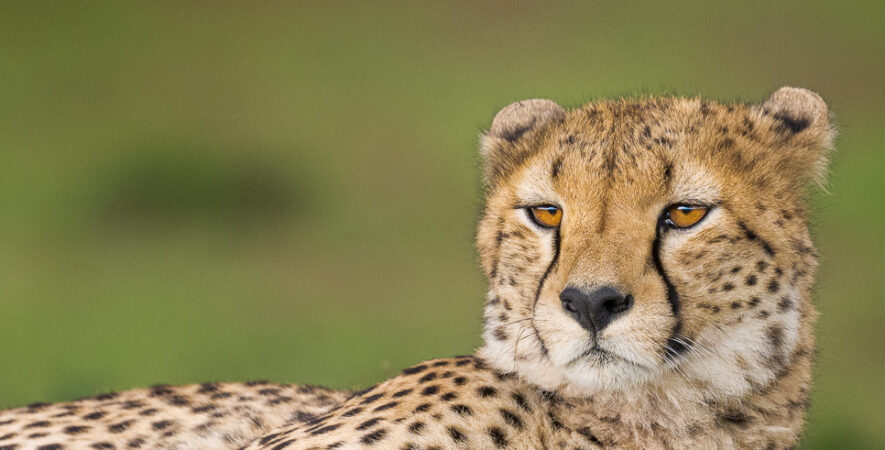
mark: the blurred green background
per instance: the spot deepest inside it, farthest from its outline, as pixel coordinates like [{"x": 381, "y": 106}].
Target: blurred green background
[{"x": 222, "y": 191}]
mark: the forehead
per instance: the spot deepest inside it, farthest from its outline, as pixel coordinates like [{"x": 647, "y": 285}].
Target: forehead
[{"x": 643, "y": 148}]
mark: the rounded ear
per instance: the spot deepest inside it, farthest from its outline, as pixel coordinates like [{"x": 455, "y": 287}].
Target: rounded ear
[
  {"x": 802, "y": 129},
  {"x": 798, "y": 109},
  {"x": 503, "y": 146}
]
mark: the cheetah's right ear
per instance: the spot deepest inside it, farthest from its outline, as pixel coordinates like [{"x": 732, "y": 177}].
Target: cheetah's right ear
[
  {"x": 504, "y": 146},
  {"x": 802, "y": 126}
]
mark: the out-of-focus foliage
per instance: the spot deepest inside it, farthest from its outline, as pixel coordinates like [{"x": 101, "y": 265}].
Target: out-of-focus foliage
[{"x": 229, "y": 191}]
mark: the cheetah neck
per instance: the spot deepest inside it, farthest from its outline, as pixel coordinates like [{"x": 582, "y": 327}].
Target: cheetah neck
[{"x": 686, "y": 413}]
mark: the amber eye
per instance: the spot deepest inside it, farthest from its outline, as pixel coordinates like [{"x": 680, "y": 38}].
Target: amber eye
[
  {"x": 546, "y": 216},
  {"x": 685, "y": 216}
]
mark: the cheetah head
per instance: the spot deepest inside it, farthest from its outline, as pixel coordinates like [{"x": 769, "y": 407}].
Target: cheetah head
[{"x": 651, "y": 242}]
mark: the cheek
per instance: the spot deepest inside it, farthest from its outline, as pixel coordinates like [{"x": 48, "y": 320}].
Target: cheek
[
  {"x": 522, "y": 258},
  {"x": 725, "y": 277}
]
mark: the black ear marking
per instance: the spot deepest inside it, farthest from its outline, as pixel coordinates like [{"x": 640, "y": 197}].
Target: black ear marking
[
  {"x": 513, "y": 134},
  {"x": 505, "y": 146},
  {"x": 797, "y": 109},
  {"x": 795, "y": 125}
]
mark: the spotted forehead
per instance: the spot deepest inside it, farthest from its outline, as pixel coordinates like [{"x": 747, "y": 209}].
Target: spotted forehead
[{"x": 635, "y": 145}]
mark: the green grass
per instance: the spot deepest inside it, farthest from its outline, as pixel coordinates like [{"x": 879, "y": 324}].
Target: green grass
[{"x": 239, "y": 191}]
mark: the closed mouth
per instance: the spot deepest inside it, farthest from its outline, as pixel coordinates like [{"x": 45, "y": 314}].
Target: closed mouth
[{"x": 601, "y": 357}]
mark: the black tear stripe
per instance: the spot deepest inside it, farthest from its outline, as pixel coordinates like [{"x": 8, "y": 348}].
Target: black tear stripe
[
  {"x": 556, "y": 245},
  {"x": 674, "y": 345}
]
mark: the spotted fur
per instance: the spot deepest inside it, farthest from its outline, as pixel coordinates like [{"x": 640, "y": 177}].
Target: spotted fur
[
  {"x": 714, "y": 351},
  {"x": 202, "y": 416}
]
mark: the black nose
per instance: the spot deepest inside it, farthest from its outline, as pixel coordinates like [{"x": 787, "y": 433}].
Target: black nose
[{"x": 596, "y": 308}]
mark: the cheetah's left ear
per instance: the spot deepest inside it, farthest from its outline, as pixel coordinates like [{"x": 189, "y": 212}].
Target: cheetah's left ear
[{"x": 802, "y": 122}]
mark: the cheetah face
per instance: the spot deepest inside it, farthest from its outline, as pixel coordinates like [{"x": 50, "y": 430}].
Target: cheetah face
[{"x": 656, "y": 242}]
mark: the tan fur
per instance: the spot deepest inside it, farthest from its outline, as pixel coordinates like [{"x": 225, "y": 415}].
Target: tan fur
[
  {"x": 210, "y": 415},
  {"x": 728, "y": 365}
]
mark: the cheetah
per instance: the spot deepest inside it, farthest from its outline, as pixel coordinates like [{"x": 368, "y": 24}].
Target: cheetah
[{"x": 650, "y": 272}]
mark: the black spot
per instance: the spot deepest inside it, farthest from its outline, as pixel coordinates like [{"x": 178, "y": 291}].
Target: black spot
[
  {"x": 754, "y": 302},
  {"x": 794, "y": 124},
  {"x": 556, "y": 169},
  {"x": 325, "y": 429},
  {"x": 207, "y": 387},
  {"x": 203, "y": 408},
  {"x": 401, "y": 393},
  {"x": 457, "y": 435},
  {"x": 751, "y": 280},
  {"x": 463, "y": 410},
  {"x": 414, "y": 370},
  {"x": 75, "y": 429},
  {"x": 416, "y": 427},
  {"x": 735, "y": 305},
  {"x": 103, "y": 445},
  {"x": 422, "y": 407},
  {"x": 132, "y": 404},
  {"x": 135, "y": 443},
  {"x": 588, "y": 434},
  {"x": 177, "y": 400},
  {"x": 335, "y": 445},
  {"x": 449, "y": 396},
  {"x": 365, "y": 425},
  {"x": 373, "y": 437},
  {"x": 773, "y": 286},
  {"x": 386, "y": 406},
  {"x": 38, "y": 424},
  {"x": 500, "y": 334},
  {"x": 460, "y": 381},
  {"x": 512, "y": 419},
  {"x": 727, "y": 287},
  {"x": 430, "y": 390},
  {"x": 269, "y": 438},
  {"x": 161, "y": 424},
  {"x": 785, "y": 304},
  {"x": 107, "y": 396},
  {"x": 557, "y": 425},
  {"x": 497, "y": 437},
  {"x": 487, "y": 391},
  {"x": 737, "y": 418},
  {"x": 465, "y": 362},
  {"x": 160, "y": 390},
  {"x": 50, "y": 447},
  {"x": 429, "y": 377},
  {"x": 441, "y": 363},
  {"x": 282, "y": 445},
  {"x": 120, "y": 427},
  {"x": 775, "y": 336},
  {"x": 371, "y": 399},
  {"x": 521, "y": 401},
  {"x": 278, "y": 400}
]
